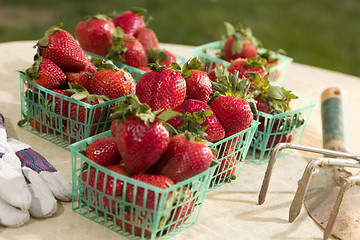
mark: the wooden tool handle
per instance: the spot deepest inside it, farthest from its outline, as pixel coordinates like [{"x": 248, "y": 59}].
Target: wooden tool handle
[{"x": 334, "y": 123}]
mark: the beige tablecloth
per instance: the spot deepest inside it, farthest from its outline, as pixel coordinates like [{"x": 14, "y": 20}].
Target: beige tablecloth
[{"x": 230, "y": 212}]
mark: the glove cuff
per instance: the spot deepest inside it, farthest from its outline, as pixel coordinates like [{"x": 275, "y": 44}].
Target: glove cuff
[{"x": 16, "y": 145}]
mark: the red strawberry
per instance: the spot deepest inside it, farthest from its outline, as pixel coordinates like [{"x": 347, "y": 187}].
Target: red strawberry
[
  {"x": 95, "y": 34},
  {"x": 144, "y": 68},
  {"x": 60, "y": 106},
  {"x": 270, "y": 100},
  {"x": 40, "y": 127},
  {"x": 198, "y": 83},
  {"x": 246, "y": 66},
  {"x": 148, "y": 38},
  {"x": 102, "y": 182},
  {"x": 112, "y": 81},
  {"x": 133, "y": 222},
  {"x": 147, "y": 199},
  {"x": 83, "y": 114},
  {"x": 74, "y": 132},
  {"x": 130, "y": 21},
  {"x": 47, "y": 74},
  {"x": 184, "y": 158},
  {"x": 108, "y": 182},
  {"x": 162, "y": 88},
  {"x": 272, "y": 61},
  {"x": 233, "y": 113},
  {"x": 140, "y": 145},
  {"x": 113, "y": 127},
  {"x": 240, "y": 43},
  {"x": 214, "y": 129},
  {"x": 128, "y": 50},
  {"x": 141, "y": 136},
  {"x": 184, "y": 209},
  {"x": 279, "y": 138},
  {"x": 103, "y": 151},
  {"x": 161, "y": 56},
  {"x": 227, "y": 167},
  {"x": 82, "y": 78},
  {"x": 60, "y": 47},
  {"x": 212, "y": 72}
]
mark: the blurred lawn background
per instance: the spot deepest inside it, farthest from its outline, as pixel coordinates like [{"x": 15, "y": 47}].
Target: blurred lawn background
[{"x": 323, "y": 33}]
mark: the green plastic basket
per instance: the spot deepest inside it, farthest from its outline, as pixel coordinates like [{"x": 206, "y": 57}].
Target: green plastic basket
[
  {"x": 231, "y": 153},
  {"x": 38, "y": 115},
  {"x": 266, "y": 138},
  {"x": 158, "y": 221},
  {"x": 209, "y": 54}
]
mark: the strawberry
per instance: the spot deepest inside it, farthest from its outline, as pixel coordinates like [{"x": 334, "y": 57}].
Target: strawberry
[
  {"x": 233, "y": 113},
  {"x": 232, "y": 104},
  {"x": 133, "y": 222},
  {"x": 144, "y": 68},
  {"x": 113, "y": 127},
  {"x": 198, "y": 83},
  {"x": 74, "y": 132},
  {"x": 141, "y": 135},
  {"x": 274, "y": 100},
  {"x": 162, "y": 88},
  {"x": 185, "y": 207},
  {"x": 105, "y": 184},
  {"x": 46, "y": 73},
  {"x": 82, "y": 78},
  {"x": 184, "y": 158},
  {"x": 161, "y": 56},
  {"x": 212, "y": 72},
  {"x": 112, "y": 81},
  {"x": 127, "y": 49},
  {"x": 148, "y": 38},
  {"x": 227, "y": 167},
  {"x": 240, "y": 43},
  {"x": 40, "y": 127},
  {"x": 280, "y": 138},
  {"x": 147, "y": 199},
  {"x": 94, "y": 34},
  {"x": 270, "y": 99},
  {"x": 83, "y": 114},
  {"x": 103, "y": 151},
  {"x": 214, "y": 130},
  {"x": 60, "y": 106},
  {"x": 131, "y": 21},
  {"x": 247, "y": 66},
  {"x": 60, "y": 47}
]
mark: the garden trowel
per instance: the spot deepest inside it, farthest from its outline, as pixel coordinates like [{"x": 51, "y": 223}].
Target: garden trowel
[{"x": 331, "y": 195}]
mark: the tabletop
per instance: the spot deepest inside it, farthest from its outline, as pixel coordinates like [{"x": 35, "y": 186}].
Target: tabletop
[{"x": 229, "y": 212}]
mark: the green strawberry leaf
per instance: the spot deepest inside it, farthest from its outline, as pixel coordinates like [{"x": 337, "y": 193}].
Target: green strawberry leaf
[
  {"x": 276, "y": 93},
  {"x": 237, "y": 46},
  {"x": 168, "y": 114},
  {"x": 230, "y": 29}
]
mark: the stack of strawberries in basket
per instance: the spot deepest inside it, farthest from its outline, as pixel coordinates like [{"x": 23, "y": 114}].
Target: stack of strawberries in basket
[{"x": 164, "y": 125}]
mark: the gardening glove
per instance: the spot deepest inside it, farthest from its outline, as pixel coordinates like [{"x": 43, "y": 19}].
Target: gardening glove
[{"x": 28, "y": 183}]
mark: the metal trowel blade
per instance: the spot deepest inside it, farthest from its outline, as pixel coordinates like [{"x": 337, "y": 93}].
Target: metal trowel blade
[{"x": 320, "y": 199}]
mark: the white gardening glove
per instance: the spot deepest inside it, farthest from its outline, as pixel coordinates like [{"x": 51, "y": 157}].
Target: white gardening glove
[{"x": 28, "y": 183}]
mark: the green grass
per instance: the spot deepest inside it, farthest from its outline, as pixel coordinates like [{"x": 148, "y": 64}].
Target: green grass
[{"x": 322, "y": 33}]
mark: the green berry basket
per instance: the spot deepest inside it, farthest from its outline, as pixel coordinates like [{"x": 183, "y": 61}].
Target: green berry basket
[
  {"x": 209, "y": 53},
  {"x": 231, "y": 154},
  {"x": 54, "y": 124},
  {"x": 284, "y": 127},
  {"x": 113, "y": 210}
]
